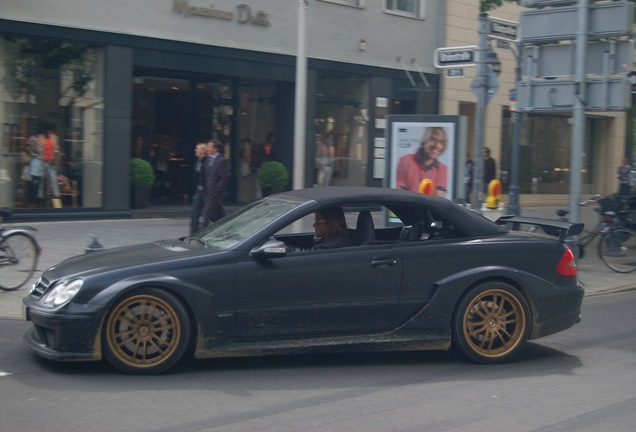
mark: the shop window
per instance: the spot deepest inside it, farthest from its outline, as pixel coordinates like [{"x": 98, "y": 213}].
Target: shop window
[
  {"x": 255, "y": 126},
  {"x": 341, "y": 130},
  {"x": 412, "y": 8},
  {"x": 545, "y": 154},
  {"x": 51, "y": 108}
]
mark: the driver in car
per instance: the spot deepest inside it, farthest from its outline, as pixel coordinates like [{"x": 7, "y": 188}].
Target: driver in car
[{"x": 330, "y": 228}]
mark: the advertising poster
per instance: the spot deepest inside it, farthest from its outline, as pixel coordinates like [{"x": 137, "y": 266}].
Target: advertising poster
[{"x": 422, "y": 157}]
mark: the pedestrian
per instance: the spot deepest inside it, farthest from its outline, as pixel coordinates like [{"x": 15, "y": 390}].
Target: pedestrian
[
  {"x": 216, "y": 177},
  {"x": 490, "y": 169},
  {"x": 198, "y": 183},
  {"x": 624, "y": 176},
  {"x": 468, "y": 177}
]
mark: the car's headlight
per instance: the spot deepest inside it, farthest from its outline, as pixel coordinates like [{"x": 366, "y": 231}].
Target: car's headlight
[{"x": 63, "y": 292}]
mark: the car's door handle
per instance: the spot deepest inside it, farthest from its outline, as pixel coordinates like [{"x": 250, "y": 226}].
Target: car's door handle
[{"x": 385, "y": 262}]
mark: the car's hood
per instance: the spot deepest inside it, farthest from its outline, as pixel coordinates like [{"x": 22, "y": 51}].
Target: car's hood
[{"x": 127, "y": 256}]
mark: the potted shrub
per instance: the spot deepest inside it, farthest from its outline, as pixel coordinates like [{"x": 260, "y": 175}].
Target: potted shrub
[
  {"x": 272, "y": 176},
  {"x": 142, "y": 177}
]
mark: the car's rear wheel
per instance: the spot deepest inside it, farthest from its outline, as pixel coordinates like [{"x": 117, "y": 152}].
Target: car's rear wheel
[
  {"x": 146, "y": 332},
  {"x": 491, "y": 323}
]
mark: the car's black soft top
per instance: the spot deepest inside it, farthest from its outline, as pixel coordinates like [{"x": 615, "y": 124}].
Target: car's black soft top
[{"x": 394, "y": 199}]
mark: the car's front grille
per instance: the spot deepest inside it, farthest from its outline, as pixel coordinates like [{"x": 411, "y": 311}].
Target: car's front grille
[{"x": 40, "y": 288}]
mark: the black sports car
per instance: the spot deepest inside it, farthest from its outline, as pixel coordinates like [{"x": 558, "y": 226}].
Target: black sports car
[{"x": 419, "y": 272}]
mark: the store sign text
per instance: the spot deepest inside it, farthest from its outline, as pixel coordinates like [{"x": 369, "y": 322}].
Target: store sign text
[{"x": 243, "y": 15}]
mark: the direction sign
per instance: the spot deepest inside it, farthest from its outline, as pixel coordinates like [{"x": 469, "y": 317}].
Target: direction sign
[
  {"x": 502, "y": 29},
  {"x": 603, "y": 58},
  {"x": 552, "y": 24},
  {"x": 611, "y": 94},
  {"x": 453, "y": 57}
]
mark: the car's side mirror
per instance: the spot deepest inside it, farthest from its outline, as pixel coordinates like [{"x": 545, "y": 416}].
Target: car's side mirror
[{"x": 270, "y": 249}]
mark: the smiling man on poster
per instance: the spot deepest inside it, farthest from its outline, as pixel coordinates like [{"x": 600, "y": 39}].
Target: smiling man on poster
[{"x": 426, "y": 162}]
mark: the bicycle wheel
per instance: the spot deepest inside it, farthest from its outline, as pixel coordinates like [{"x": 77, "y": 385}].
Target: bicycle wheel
[
  {"x": 617, "y": 249},
  {"x": 18, "y": 258}
]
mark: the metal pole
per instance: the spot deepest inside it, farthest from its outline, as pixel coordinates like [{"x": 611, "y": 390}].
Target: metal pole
[
  {"x": 482, "y": 88},
  {"x": 300, "y": 111},
  {"x": 513, "y": 191},
  {"x": 578, "y": 111}
]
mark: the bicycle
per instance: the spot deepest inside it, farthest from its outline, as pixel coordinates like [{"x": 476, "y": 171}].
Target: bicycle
[
  {"x": 19, "y": 254},
  {"x": 616, "y": 230}
]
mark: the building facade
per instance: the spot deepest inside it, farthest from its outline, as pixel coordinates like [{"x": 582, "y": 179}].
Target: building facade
[
  {"x": 102, "y": 82},
  {"x": 85, "y": 86}
]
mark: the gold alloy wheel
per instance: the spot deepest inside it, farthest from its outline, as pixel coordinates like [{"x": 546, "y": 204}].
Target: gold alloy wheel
[
  {"x": 144, "y": 331},
  {"x": 494, "y": 323}
]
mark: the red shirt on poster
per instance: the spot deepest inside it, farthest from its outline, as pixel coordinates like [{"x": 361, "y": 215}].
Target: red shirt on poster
[{"x": 410, "y": 174}]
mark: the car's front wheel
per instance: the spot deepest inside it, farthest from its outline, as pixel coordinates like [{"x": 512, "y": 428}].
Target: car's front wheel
[
  {"x": 491, "y": 323},
  {"x": 146, "y": 332}
]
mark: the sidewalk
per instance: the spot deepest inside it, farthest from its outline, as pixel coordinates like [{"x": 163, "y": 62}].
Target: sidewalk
[{"x": 61, "y": 240}]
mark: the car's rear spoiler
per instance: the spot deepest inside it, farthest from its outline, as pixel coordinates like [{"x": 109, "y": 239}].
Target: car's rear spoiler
[{"x": 561, "y": 229}]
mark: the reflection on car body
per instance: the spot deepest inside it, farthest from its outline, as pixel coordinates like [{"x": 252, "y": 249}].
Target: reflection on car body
[{"x": 251, "y": 284}]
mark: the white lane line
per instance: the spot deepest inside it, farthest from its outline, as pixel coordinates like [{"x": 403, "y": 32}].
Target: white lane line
[{"x": 2, "y": 373}]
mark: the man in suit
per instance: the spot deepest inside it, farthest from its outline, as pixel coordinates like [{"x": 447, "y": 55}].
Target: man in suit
[
  {"x": 198, "y": 183},
  {"x": 216, "y": 177}
]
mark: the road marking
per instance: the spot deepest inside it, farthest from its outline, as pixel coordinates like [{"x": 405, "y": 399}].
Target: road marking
[{"x": 2, "y": 373}]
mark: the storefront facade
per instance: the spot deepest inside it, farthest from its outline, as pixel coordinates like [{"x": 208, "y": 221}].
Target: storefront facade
[{"x": 147, "y": 82}]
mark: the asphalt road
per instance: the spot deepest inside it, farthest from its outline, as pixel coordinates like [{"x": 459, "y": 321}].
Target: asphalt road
[{"x": 583, "y": 379}]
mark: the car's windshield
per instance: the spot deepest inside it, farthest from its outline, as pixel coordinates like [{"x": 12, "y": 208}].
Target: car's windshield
[{"x": 241, "y": 224}]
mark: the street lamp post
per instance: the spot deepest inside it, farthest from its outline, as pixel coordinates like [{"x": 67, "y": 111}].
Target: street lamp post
[
  {"x": 513, "y": 191},
  {"x": 300, "y": 110},
  {"x": 485, "y": 84}
]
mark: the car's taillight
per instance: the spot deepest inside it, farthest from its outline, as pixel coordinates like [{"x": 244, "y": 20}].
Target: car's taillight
[{"x": 567, "y": 266}]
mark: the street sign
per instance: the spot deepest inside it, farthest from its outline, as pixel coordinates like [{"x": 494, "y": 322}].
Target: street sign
[
  {"x": 454, "y": 72},
  {"x": 603, "y": 58},
  {"x": 502, "y": 29},
  {"x": 604, "y": 94},
  {"x": 504, "y": 45},
  {"x": 453, "y": 57},
  {"x": 553, "y": 24}
]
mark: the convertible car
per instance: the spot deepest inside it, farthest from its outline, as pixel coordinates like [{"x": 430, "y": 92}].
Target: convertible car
[{"x": 420, "y": 273}]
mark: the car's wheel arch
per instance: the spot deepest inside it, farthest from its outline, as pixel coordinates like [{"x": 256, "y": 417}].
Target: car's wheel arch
[
  {"x": 462, "y": 283},
  {"x": 440, "y": 310}
]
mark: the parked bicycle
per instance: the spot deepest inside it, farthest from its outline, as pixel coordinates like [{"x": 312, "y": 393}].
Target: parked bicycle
[
  {"x": 615, "y": 229},
  {"x": 19, "y": 254}
]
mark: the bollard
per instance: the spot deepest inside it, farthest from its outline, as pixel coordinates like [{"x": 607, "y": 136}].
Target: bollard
[
  {"x": 494, "y": 194},
  {"x": 95, "y": 245}
]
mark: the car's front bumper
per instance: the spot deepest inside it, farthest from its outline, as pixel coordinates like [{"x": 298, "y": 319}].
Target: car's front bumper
[{"x": 64, "y": 336}]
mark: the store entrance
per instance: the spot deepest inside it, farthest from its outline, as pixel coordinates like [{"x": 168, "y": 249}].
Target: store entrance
[
  {"x": 170, "y": 115},
  {"x": 174, "y": 111}
]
